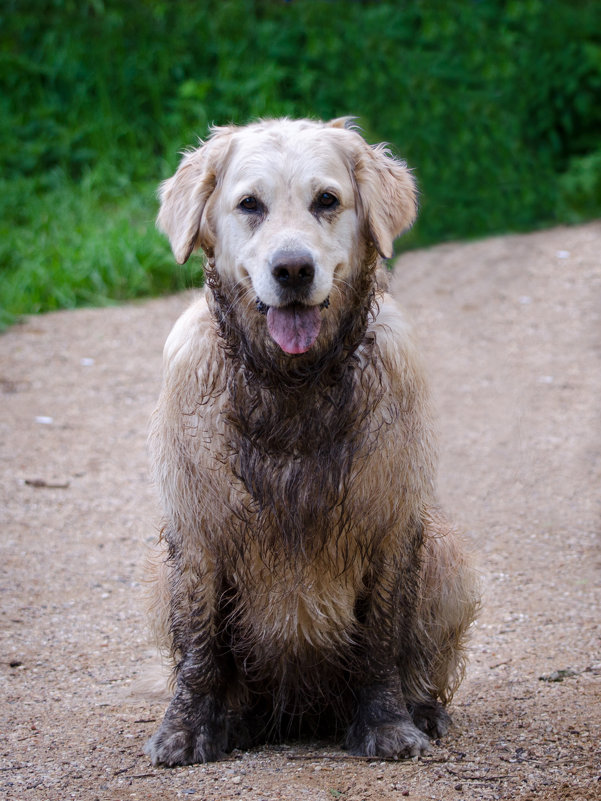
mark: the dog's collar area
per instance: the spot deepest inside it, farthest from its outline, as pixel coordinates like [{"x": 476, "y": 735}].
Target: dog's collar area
[{"x": 263, "y": 308}]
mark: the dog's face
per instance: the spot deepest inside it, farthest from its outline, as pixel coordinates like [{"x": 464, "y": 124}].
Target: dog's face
[
  {"x": 286, "y": 217},
  {"x": 284, "y": 208}
]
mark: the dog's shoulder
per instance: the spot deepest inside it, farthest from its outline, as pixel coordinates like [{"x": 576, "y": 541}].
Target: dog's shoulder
[
  {"x": 400, "y": 357},
  {"x": 394, "y": 332},
  {"x": 391, "y": 316},
  {"x": 191, "y": 344}
]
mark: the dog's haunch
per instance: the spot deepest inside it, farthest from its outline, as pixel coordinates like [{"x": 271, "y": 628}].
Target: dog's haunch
[{"x": 306, "y": 581}]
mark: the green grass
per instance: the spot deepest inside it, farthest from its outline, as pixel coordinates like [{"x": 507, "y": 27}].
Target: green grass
[{"x": 79, "y": 245}]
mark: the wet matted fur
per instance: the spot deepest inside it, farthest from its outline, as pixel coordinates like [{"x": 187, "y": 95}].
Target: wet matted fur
[{"x": 307, "y": 581}]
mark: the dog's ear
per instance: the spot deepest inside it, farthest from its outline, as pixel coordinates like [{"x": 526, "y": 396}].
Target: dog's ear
[
  {"x": 184, "y": 196},
  {"x": 388, "y": 195},
  {"x": 347, "y": 123}
]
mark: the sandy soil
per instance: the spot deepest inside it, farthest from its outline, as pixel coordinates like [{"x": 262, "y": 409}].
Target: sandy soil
[{"x": 512, "y": 331}]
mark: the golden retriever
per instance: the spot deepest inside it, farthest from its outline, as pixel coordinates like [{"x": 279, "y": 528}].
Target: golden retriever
[{"x": 309, "y": 584}]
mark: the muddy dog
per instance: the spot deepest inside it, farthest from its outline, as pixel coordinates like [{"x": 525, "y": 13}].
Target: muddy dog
[{"x": 309, "y": 583}]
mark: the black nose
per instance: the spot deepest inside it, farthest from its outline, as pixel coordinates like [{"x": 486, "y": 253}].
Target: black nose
[{"x": 293, "y": 269}]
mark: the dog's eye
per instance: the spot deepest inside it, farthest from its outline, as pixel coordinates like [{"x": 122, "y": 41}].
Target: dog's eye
[
  {"x": 249, "y": 204},
  {"x": 326, "y": 200}
]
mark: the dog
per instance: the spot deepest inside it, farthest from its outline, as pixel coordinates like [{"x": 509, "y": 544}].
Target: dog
[{"x": 309, "y": 584}]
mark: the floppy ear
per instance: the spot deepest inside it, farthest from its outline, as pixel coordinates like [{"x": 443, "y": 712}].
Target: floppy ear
[
  {"x": 388, "y": 195},
  {"x": 184, "y": 196}
]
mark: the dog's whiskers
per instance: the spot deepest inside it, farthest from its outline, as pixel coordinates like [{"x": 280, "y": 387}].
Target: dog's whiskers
[{"x": 241, "y": 292}]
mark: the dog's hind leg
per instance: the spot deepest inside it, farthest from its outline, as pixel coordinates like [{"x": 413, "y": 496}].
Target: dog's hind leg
[
  {"x": 430, "y": 717},
  {"x": 449, "y": 601}
]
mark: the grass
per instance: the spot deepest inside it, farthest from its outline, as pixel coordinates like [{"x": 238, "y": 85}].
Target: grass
[{"x": 83, "y": 245}]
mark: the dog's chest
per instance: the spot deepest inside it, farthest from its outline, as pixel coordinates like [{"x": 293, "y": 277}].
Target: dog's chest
[{"x": 291, "y": 610}]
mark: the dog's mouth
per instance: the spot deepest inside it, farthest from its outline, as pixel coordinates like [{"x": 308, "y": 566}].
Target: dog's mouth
[{"x": 294, "y": 327}]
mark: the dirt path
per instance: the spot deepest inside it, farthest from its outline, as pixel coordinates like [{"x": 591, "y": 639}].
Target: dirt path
[{"x": 512, "y": 331}]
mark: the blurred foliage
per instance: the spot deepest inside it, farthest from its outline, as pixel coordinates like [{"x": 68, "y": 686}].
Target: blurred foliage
[{"x": 496, "y": 104}]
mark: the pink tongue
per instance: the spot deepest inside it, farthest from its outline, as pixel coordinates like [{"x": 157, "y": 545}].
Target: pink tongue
[{"x": 294, "y": 328}]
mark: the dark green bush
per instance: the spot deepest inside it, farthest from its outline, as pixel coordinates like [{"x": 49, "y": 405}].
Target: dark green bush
[{"x": 496, "y": 104}]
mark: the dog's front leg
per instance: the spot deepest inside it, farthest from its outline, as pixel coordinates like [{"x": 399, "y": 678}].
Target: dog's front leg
[
  {"x": 382, "y": 725},
  {"x": 194, "y": 728}
]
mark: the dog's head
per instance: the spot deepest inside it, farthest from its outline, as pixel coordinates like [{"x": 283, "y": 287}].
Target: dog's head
[{"x": 286, "y": 209}]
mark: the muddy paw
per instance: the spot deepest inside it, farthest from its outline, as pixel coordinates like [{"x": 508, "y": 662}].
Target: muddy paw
[
  {"x": 170, "y": 747},
  {"x": 397, "y": 738},
  {"x": 431, "y": 718},
  {"x": 191, "y": 732}
]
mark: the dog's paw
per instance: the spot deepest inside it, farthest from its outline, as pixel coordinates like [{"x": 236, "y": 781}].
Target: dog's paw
[
  {"x": 193, "y": 730},
  {"x": 393, "y": 739},
  {"x": 431, "y": 718},
  {"x": 171, "y": 746}
]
